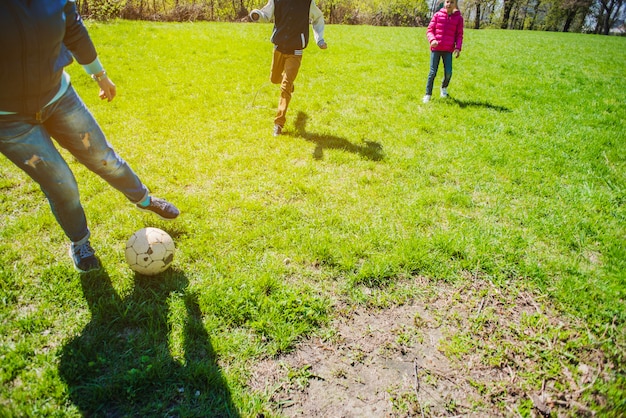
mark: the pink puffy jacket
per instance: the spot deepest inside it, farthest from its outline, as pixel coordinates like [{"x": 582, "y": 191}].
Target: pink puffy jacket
[{"x": 447, "y": 30}]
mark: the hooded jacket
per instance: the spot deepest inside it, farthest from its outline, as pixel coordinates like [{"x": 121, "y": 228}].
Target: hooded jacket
[
  {"x": 447, "y": 30},
  {"x": 37, "y": 40}
]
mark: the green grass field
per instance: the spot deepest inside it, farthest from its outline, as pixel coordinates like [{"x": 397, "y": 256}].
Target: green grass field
[{"x": 517, "y": 180}]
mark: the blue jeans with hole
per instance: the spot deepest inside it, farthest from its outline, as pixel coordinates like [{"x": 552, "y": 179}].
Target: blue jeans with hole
[
  {"x": 26, "y": 140},
  {"x": 435, "y": 57}
]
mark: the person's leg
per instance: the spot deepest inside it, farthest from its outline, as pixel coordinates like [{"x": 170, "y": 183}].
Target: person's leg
[
  {"x": 434, "y": 67},
  {"x": 277, "y": 68},
  {"x": 446, "y": 57},
  {"x": 26, "y": 142},
  {"x": 71, "y": 124},
  {"x": 292, "y": 66}
]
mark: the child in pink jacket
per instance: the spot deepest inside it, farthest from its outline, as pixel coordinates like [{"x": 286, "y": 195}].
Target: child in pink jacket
[{"x": 445, "y": 35}]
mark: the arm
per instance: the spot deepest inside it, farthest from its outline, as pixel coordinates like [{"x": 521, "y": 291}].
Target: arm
[
  {"x": 78, "y": 42},
  {"x": 430, "y": 32},
  {"x": 458, "y": 42},
  {"x": 97, "y": 72},
  {"x": 76, "y": 38},
  {"x": 264, "y": 14},
  {"x": 317, "y": 22}
]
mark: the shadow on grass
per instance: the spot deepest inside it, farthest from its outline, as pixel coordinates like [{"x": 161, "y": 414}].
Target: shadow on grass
[
  {"x": 472, "y": 103},
  {"x": 371, "y": 150},
  {"x": 121, "y": 364}
]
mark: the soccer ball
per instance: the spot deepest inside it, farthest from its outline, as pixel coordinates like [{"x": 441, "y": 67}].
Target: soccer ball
[{"x": 149, "y": 251}]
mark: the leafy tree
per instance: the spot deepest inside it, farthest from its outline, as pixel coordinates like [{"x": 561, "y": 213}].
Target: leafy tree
[
  {"x": 480, "y": 12},
  {"x": 506, "y": 14},
  {"x": 574, "y": 8},
  {"x": 401, "y": 13},
  {"x": 563, "y": 14},
  {"x": 342, "y": 11},
  {"x": 566, "y": 15}
]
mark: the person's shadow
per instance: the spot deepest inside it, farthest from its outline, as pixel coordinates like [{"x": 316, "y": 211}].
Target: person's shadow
[
  {"x": 473, "y": 103},
  {"x": 370, "y": 149},
  {"x": 146, "y": 354}
]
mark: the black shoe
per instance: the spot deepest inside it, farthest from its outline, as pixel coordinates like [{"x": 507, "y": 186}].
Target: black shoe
[
  {"x": 84, "y": 257},
  {"x": 278, "y": 130},
  {"x": 162, "y": 208}
]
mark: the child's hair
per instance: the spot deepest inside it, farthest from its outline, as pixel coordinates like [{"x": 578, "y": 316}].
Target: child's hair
[{"x": 454, "y": 2}]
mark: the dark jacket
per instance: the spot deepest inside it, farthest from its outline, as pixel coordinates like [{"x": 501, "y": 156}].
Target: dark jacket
[
  {"x": 36, "y": 38},
  {"x": 291, "y": 24}
]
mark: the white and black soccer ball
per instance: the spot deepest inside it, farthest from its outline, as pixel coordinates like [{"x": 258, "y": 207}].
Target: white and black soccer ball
[{"x": 150, "y": 251}]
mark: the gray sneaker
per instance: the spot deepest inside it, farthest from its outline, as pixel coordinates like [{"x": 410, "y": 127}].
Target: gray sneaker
[
  {"x": 84, "y": 257},
  {"x": 160, "y": 207}
]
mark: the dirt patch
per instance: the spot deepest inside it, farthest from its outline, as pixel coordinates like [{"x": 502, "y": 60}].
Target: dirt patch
[{"x": 474, "y": 350}]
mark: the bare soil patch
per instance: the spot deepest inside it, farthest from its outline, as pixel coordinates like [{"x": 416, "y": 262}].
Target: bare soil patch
[{"x": 474, "y": 350}]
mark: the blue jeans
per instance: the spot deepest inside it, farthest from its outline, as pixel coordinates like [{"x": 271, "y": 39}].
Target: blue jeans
[
  {"x": 435, "y": 56},
  {"x": 26, "y": 140}
]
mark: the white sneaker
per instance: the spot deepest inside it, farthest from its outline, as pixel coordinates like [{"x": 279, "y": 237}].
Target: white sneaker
[
  {"x": 426, "y": 99},
  {"x": 444, "y": 92}
]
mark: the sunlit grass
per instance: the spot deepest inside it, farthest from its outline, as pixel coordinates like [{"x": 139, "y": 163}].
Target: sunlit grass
[{"x": 519, "y": 176}]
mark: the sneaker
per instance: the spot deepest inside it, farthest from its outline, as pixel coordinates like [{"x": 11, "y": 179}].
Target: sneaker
[
  {"x": 426, "y": 98},
  {"x": 84, "y": 257},
  {"x": 444, "y": 92},
  {"x": 277, "y": 130},
  {"x": 162, "y": 208}
]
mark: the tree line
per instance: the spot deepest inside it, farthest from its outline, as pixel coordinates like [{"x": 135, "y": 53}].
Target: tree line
[{"x": 589, "y": 16}]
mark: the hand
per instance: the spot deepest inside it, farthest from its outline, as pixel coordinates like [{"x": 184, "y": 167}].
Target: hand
[
  {"x": 456, "y": 53},
  {"x": 107, "y": 89},
  {"x": 254, "y": 15},
  {"x": 434, "y": 43}
]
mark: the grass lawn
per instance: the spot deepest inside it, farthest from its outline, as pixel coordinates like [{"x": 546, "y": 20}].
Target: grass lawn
[{"x": 516, "y": 184}]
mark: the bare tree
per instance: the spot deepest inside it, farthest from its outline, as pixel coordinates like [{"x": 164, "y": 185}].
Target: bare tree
[
  {"x": 610, "y": 11},
  {"x": 477, "y": 17}
]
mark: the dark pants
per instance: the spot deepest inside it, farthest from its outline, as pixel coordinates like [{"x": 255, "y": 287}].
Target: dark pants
[{"x": 435, "y": 56}]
